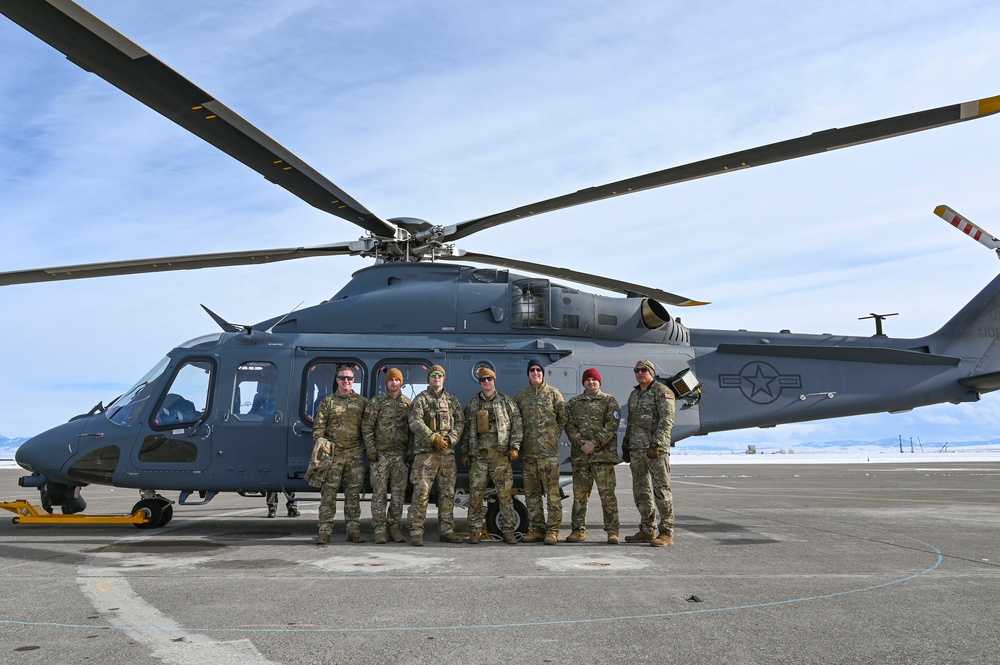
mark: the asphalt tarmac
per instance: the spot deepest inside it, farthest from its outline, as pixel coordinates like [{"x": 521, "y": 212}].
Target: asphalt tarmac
[{"x": 854, "y": 563}]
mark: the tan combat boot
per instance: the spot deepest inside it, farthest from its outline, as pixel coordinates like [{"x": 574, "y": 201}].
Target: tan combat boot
[
  {"x": 355, "y": 537},
  {"x": 323, "y": 539},
  {"x": 640, "y": 537},
  {"x": 396, "y": 534},
  {"x": 612, "y": 539},
  {"x": 576, "y": 537},
  {"x": 450, "y": 537},
  {"x": 533, "y": 537},
  {"x": 474, "y": 536},
  {"x": 417, "y": 540},
  {"x": 380, "y": 538},
  {"x": 509, "y": 537},
  {"x": 551, "y": 538},
  {"x": 662, "y": 540}
]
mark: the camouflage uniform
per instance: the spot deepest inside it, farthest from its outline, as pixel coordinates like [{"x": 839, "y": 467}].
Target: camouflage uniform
[
  {"x": 594, "y": 419},
  {"x": 337, "y": 441},
  {"x": 650, "y": 419},
  {"x": 543, "y": 410},
  {"x": 386, "y": 432},
  {"x": 434, "y": 413},
  {"x": 487, "y": 451}
]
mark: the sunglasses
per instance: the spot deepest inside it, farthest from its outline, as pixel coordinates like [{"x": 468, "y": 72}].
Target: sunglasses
[
  {"x": 436, "y": 375},
  {"x": 534, "y": 369},
  {"x": 641, "y": 370},
  {"x": 345, "y": 378},
  {"x": 486, "y": 378}
]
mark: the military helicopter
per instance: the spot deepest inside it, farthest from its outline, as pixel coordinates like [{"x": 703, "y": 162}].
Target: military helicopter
[{"x": 232, "y": 410}]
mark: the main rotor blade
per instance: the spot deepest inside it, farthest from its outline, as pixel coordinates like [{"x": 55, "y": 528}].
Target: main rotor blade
[
  {"x": 618, "y": 286},
  {"x": 98, "y": 48},
  {"x": 830, "y": 139},
  {"x": 190, "y": 262}
]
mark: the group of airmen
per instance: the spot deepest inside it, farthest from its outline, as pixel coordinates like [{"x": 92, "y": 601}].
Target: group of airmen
[{"x": 418, "y": 440}]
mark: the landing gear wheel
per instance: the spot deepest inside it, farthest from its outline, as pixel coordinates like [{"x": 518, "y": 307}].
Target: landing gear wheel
[
  {"x": 493, "y": 520},
  {"x": 158, "y": 511}
]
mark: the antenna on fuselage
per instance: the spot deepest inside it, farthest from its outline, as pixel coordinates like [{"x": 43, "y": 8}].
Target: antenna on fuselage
[
  {"x": 225, "y": 325},
  {"x": 285, "y": 316}
]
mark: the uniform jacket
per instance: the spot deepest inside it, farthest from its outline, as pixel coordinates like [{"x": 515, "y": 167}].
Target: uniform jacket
[
  {"x": 338, "y": 419},
  {"x": 650, "y": 418},
  {"x": 543, "y": 410},
  {"x": 593, "y": 419},
  {"x": 386, "y": 425},
  {"x": 431, "y": 414},
  {"x": 504, "y": 424}
]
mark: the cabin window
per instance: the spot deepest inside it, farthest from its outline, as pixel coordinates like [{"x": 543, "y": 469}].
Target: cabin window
[
  {"x": 186, "y": 398},
  {"x": 159, "y": 449},
  {"x": 255, "y": 391},
  {"x": 529, "y": 303},
  {"x": 414, "y": 376},
  {"x": 320, "y": 381}
]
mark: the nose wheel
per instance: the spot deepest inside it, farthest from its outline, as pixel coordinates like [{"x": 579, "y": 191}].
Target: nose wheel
[{"x": 158, "y": 511}]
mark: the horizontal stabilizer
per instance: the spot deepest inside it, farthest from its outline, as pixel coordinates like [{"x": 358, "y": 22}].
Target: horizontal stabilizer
[{"x": 984, "y": 383}]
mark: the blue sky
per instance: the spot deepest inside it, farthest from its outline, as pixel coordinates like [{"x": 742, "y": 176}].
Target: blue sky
[{"x": 452, "y": 110}]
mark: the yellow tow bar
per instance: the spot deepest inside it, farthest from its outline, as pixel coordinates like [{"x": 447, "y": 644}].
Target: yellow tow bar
[{"x": 29, "y": 514}]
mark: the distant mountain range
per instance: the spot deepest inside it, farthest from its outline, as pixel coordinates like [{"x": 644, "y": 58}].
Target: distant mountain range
[{"x": 8, "y": 446}]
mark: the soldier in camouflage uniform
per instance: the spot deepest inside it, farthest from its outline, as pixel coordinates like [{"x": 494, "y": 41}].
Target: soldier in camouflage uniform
[
  {"x": 592, "y": 427},
  {"x": 543, "y": 410},
  {"x": 647, "y": 442},
  {"x": 337, "y": 456},
  {"x": 491, "y": 442},
  {"x": 386, "y": 432},
  {"x": 437, "y": 422}
]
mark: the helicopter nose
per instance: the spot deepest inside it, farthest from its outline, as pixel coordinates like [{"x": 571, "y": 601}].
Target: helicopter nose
[{"x": 50, "y": 450}]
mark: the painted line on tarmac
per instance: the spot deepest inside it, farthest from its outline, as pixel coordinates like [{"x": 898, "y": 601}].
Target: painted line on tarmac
[{"x": 168, "y": 627}]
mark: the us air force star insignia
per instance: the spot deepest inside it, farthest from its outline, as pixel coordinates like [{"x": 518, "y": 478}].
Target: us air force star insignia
[{"x": 759, "y": 382}]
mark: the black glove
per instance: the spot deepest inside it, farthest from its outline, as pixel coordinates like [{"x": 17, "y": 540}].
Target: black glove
[{"x": 626, "y": 455}]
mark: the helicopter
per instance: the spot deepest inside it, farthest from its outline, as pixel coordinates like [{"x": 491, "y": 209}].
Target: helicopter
[{"x": 231, "y": 410}]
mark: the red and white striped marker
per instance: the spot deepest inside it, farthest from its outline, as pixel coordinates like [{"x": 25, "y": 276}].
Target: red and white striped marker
[{"x": 975, "y": 232}]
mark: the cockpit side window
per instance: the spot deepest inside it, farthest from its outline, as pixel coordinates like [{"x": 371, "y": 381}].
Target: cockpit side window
[
  {"x": 255, "y": 391},
  {"x": 185, "y": 400},
  {"x": 321, "y": 380}
]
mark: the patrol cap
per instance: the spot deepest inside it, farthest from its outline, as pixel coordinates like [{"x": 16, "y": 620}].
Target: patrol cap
[
  {"x": 535, "y": 363},
  {"x": 592, "y": 373},
  {"x": 435, "y": 368},
  {"x": 393, "y": 373},
  {"x": 648, "y": 364},
  {"x": 486, "y": 371}
]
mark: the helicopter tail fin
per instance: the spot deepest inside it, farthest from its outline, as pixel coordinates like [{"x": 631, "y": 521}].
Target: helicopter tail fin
[{"x": 973, "y": 335}]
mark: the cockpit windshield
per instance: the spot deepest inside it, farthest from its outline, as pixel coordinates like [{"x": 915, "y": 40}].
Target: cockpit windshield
[{"x": 126, "y": 409}]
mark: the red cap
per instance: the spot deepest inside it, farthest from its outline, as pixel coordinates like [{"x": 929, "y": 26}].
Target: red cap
[{"x": 592, "y": 374}]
